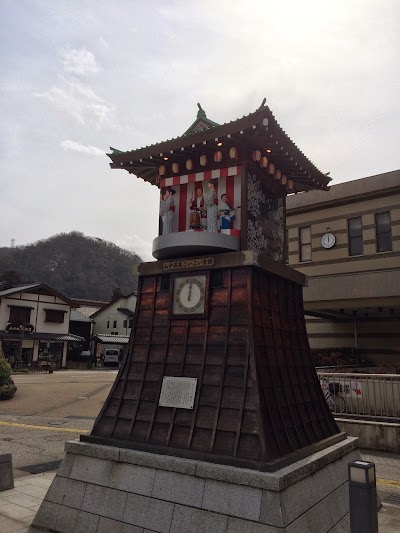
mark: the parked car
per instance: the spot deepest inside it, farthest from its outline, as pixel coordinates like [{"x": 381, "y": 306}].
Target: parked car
[{"x": 111, "y": 357}]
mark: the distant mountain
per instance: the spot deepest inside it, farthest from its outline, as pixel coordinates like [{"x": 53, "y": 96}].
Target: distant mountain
[{"x": 75, "y": 265}]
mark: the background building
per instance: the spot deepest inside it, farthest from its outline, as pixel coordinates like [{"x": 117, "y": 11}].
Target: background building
[
  {"x": 113, "y": 323},
  {"x": 34, "y": 319},
  {"x": 347, "y": 241}
]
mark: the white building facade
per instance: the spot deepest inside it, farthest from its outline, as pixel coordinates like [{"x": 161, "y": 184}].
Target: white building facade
[
  {"x": 113, "y": 323},
  {"x": 34, "y": 319}
]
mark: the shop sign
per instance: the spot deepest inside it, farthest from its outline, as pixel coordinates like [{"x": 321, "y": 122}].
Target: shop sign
[{"x": 20, "y": 328}]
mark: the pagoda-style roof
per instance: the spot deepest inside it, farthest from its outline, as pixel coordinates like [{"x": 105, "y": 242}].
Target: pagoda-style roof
[{"x": 256, "y": 131}]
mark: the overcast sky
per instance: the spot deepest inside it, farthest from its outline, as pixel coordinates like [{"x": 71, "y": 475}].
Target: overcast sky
[{"x": 80, "y": 76}]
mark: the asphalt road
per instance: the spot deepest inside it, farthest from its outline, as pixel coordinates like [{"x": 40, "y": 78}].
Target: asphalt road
[{"x": 49, "y": 409}]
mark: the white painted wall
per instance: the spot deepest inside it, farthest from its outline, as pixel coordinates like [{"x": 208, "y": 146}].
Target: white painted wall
[
  {"x": 38, "y": 314},
  {"x": 111, "y": 314},
  {"x": 38, "y": 302}
]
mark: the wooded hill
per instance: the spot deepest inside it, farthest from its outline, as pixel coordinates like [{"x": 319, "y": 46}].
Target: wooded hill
[{"x": 75, "y": 265}]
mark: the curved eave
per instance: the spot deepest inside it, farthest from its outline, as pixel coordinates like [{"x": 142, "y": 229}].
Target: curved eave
[{"x": 260, "y": 129}]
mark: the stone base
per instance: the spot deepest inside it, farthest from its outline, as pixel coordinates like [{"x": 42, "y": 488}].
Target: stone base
[{"x": 99, "y": 489}]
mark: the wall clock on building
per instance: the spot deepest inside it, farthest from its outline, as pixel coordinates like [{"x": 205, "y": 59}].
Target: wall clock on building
[
  {"x": 189, "y": 296},
  {"x": 328, "y": 240}
]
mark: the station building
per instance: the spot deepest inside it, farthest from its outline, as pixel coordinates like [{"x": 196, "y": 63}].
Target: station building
[{"x": 347, "y": 242}]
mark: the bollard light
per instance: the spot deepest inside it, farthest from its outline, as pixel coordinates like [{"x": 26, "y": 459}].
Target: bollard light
[
  {"x": 362, "y": 494},
  {"x": 362, "y": 472}
]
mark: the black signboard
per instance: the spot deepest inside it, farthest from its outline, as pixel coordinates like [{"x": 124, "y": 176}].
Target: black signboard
[{"x": 19, "y": 328}]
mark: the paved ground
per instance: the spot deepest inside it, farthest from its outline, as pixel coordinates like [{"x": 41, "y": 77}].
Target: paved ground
[
  {"x": 49, "y": 409},
  {"x": 18, "y": 506}
]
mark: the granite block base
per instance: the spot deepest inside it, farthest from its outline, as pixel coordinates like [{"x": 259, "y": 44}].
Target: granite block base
[{"x": 99, "y": 489}]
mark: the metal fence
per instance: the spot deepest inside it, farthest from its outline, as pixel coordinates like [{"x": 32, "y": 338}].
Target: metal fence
[{"x": 362, "y": 395}]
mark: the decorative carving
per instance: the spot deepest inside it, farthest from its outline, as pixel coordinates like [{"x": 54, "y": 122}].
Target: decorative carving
[
  {"x": 266, "y": 222},
  {"x": 201, "y": 126},
  {"x": 255, "y": 196},
  {"x": 255, "y": 237}
]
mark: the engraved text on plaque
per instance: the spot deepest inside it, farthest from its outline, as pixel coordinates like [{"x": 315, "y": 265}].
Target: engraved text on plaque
[{"x": 178, "y": 392}]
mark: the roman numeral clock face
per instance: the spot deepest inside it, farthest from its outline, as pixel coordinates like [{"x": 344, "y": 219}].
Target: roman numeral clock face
[{"x": 189, "y": 295}]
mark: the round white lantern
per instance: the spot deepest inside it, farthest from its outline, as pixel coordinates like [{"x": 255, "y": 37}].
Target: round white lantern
[
  {"x": 218, "y": 156},
  {"x": 256, "y": 155}
]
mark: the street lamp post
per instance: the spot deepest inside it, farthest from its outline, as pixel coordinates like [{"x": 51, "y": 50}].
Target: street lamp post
[{"x": 363, "y": 500}]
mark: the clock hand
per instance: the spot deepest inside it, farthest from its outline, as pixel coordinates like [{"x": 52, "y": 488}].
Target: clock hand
[{"x": 190, "y": 291}]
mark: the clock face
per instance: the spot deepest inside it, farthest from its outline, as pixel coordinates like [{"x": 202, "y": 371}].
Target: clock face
[
  {"x": 189, "y": 295},
  {"x": 328, "y": 240}
]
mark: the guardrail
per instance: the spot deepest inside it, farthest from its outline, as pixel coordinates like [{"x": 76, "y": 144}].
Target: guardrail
[{"x": 362, "y": 395}]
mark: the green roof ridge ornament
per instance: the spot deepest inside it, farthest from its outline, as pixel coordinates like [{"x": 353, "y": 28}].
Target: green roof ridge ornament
[
  {"x": 116, "y": 151},
  {"x": 262, "y": 104},
  {"x": 201, "y": 123},
  {"x": 201, "y": 113}
]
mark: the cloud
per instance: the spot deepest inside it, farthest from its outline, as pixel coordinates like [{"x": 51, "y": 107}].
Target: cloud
[
  {"x": 328, "y": 70},
  {"x": 82, "y": 148},
  {"x": 75, "y": 96},
  {"x": 80, "y": 62},
  {"x": 80, "y": 101},
  {"x": 136, "y": 243}
]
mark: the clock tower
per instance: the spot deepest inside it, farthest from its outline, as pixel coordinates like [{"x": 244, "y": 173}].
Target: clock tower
[
  {"x": 216, "y": 421},
  {"x": 219, "y": 314}
]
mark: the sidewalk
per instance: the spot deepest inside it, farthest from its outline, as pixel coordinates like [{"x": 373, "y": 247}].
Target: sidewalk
[{"x": 18, "y": 506}]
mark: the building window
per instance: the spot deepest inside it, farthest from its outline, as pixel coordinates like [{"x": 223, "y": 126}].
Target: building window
[
  {"x": 108, "y": 324},
  {"x": 355, "y": 236},
  {"x": 20, "y": 315},
  {"x": 130, "y": 323},
  {"x": 125, "y": 324},
  {"x": 53, "y": 315},
  {"x": 286, "y": 248},
  {"x": 305, "y": 243},
  {"x": 115, "y": 324},
  {"x": 383, "y": 232}
]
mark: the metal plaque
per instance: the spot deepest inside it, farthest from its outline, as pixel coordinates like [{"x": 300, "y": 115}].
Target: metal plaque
[
  {"x": 188, "y": 263},
  {"x": 178, "y": 392}
]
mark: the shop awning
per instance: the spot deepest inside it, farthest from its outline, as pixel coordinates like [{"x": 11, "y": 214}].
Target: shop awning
[
  {"x": 112, "y": 339},
  {"x": 41, "y": 336},
  {"x": 126, "y": 311}
]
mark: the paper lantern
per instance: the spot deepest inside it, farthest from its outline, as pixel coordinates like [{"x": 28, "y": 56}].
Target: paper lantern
[
  {"x": 256, "y": 155},
  {"x": 203, "y": 160},
  {"x": 175, "y": 168},
  {"x": 162, "y": 170},
  {"x": 233, "y": 153},
  {"x": 189, "y": 164},
  {"x": 284, "y": 179},
  {"x": 271, "y": 168},
  {"x": 218, "y": 156},
  {"x": 278, "y": 174},
  {"x": 264, "y": 162}
]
